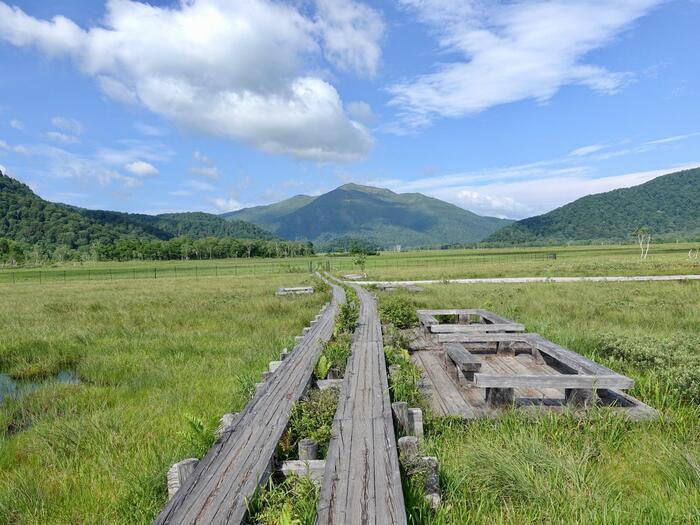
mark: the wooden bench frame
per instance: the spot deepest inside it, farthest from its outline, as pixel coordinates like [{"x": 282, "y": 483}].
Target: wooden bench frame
[
  {"x": 491, "y": 322},
  {"x": 580, "y": 377}
]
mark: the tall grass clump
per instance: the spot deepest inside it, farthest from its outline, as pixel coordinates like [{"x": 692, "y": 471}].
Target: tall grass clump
[
  {"x": 291, "y": 501},
  {"x": 399, "y": 311}
]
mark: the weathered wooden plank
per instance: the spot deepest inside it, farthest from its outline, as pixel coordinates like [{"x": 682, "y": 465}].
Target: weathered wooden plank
[
  {"x": 475, "y": 328},
  {"x": 239, "y": 462},
  {"x": 462, "y": 358},
  {"x": 362, "y": 483},
  {"x": 551, "y": 381},
  {"x": 297, "y": 290},
  {"x": 444, "y": 395}
]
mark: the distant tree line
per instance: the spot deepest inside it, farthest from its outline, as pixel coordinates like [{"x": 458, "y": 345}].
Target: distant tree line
[{"x": 17, "y": 253}]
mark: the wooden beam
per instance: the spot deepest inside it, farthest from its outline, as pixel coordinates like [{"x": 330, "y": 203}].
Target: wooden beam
[
  {"x": 551, "y": 381},
  {"x": 462, "y": 358},
  {"x": 471, "y": 328}
]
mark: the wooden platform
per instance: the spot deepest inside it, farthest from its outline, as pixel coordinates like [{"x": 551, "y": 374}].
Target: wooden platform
[
  {"x": 362, "y": 481},
  {"x": 239, "y": 462},
  {"x": 481, "y": 374}
]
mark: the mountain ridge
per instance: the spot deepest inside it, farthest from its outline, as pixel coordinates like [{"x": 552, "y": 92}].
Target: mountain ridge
[{"x": 378, "y": 215}]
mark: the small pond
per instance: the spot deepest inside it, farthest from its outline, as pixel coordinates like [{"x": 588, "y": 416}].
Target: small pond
[{"x": 11, "y": 388}]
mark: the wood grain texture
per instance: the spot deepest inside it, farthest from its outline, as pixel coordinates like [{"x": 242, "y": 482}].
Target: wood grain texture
[
  {"x": 227, "y": 477},
  {"x": 551, "y": 381},
  {"x": 362, "y": 481}
]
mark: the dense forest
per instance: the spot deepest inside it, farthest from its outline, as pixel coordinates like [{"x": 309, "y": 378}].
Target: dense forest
[
  {"x": 667, "y": 206},
  {"x": 35, "y": 231}
]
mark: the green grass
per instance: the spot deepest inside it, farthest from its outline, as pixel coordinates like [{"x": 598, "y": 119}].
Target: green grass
[
  {"x": 599, "y": 468},
  {"x": 156, "y": 358}
]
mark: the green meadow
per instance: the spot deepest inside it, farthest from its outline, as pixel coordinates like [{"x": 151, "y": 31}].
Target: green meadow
[
  {"x": 597, "y": 468},
  {"x": 158, "y": 362},
  {"x": 119, "y": 370}
]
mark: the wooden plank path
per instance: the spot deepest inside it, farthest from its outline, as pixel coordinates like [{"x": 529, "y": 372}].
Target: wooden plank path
[
  {"x": 227, "y": 477},
  {"x": 362, "y": 481}
]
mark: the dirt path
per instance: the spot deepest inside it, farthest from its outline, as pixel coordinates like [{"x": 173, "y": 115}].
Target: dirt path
[{"x": 634, "y": 278}]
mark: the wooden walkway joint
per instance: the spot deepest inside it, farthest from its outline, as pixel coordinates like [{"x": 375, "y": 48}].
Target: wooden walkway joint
[
  {"x": 239, "y": 462},
  {"x": 362, "y": 480}
]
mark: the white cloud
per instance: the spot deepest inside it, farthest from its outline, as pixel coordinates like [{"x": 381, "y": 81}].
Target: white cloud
[
  {"x": 211, "y": 172},
  {"x": 362, "y": 112},
  {"x": 511, "y": 51},
  {"x": 198, "y": 185},
  {"x": 351, "y": 33},
  {"x": 676, "y": 138},
  {"x": 586, "y": 150},
  {"x": 4, "y": 145},
  {"x": 67, "y": 124},
  {"x": 142, "y": 169},
  {"x": 62, "y": 138},
  {"x": 17, "y": 124},
  {"x": 226, "y": 204},
  {"x": 181, "y": 193},
  {"x": 199, "y": 157},
  {"x": 238, "y": 69},
  {"x": 148, "y": 130}
]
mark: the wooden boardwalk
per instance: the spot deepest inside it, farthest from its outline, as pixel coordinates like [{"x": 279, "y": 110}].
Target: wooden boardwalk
[
  {"x": 227, "y": 477},
  {"x": 362, "y": 481}
]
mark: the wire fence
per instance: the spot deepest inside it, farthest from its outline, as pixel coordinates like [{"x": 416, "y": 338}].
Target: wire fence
[{"x": 189, "y": 270}]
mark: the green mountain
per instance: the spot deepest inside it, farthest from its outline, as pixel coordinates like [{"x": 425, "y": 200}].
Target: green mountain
[
  {"x": 376, "y": 215},
  {"x": 26, "y": 217},
  {"x": 667, "y": 205}
]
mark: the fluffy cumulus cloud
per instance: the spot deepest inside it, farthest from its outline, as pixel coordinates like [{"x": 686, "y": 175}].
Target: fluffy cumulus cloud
[
  {"x": 510, "y": 51},
  {"x": 239, "y": 69}
]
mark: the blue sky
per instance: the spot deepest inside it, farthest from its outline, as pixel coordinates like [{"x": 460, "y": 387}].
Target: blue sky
[{"x": 504, "y": 108}]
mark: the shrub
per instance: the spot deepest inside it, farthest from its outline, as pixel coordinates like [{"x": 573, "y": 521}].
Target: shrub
[
  {"x": 398, "y": 311},
  {"x": 348, "y": 313},
  {"x": 289, "y": 502},
  {"x": 674, "y": 361},
  {"x": 336, "y": 353},
  {"x": 312, "y": 418}
]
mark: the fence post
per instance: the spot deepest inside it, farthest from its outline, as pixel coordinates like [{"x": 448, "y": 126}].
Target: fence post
[
  {"x": 88, "y": 274},
  {"x": 216, "y": 271},
  {"x": 110, "y": 275},
  {"x": 155, "y": 273},
  {"x": 39, "y": 276},
  {"x": 196, "y": 272}
]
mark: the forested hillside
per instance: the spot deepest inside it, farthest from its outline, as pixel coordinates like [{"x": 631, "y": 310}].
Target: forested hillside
[
  {"x": 35, "y": 230},
  {"x": 669, "y": 206}
]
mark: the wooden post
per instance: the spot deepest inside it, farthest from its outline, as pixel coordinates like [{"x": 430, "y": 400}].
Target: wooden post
[
  {"x": 499, "y": 397},
  {"x": 581, "y": 397},
  {"x": 284, "y": 355},
  {"x": 308, "y": 449},
  {"x": 225, "y": 422},
  {"x": 408, "y": 446},
  {"x": 266, "y": 375},
  {"x": 431, "y": 487},
  {"x": 178, "y": 473},
  {"x": 400, "y": 410},
  {"x": 415, "y": 422}
]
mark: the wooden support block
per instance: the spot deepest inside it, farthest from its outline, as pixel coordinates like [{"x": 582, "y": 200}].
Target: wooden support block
[
  {"x": 298, "y": 338},
  {"x": 325, "y": 384},
  {"x": 284, "y": 355},
  {"x": 265, "y": 376},
  {"x": 274, "y": 365},
  {"x": 408, "y": 447},
  {"x": 305, "y": 330},
  {"x": 312, "y": 469},
  {"x": 308, "y": 449},
  {"x": 505, "y": 348},
  {"x": 333, "y": 374},
  {"x": 400, "y": 411},
  {"x": 178, "y": 473},
  {"x": 500, "y": 397},
  {"x": 226, "y": 421},
  {"x": 415, "y": 422},
  {"x": 581, "y": 397}
]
